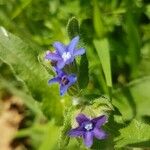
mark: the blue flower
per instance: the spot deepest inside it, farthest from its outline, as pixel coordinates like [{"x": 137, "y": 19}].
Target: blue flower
[
  {"x": 65, "y": 54},
  {"x": 89, "y": 128},
  {"x": 64, "y": 80}
]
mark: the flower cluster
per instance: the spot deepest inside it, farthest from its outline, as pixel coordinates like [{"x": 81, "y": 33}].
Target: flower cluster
[
  {"x": 62, "y": 56},
  {"x": 61, "y": 59},
  {"x": 89, "y": 128}
]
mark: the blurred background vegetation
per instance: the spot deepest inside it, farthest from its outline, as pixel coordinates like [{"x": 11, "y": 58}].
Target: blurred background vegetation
[{"x": 121, "y": 26}]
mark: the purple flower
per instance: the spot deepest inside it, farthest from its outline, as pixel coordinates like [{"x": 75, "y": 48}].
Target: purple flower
[
  {"x": 89, "y": 128},
  {"x": 65, "y": 54},
  {"x": 64, "y": 80}
]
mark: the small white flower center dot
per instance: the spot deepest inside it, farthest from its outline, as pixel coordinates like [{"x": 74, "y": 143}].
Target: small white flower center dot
[
  {"x": 66, "y": 56},
  {"x": 88, "y": 126}
]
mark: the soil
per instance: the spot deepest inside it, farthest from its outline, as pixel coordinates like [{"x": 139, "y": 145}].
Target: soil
[{"x": 11, "y": 115}]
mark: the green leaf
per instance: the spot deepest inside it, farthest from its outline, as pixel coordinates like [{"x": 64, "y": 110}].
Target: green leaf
[
  {"x": 46, "y": 64},
  {"x": 134, "y": 99},
  {"x": 97, "y": 19},
  {"x": 43, "y": 136},
  {"x": 102, "y": 103},
  {"x": 102, "y": 48},
  {"x": 50, "y": 137},
  {"x": 73, "y": 30},
  {"x": 24, "y": 61},
  {"x": 96, "y": 107},
  {"x": 73, "y": 27},
  {"x": 64, "y": 138},
  {"x": 20, "y": 8},
  {"x": 136, "y": 134},
  {"x": 83, "y": 77},
  {"x": 26, "y": 98},
  {"x": 8, "y": 74},
  {"x": 134, "y": 45},
  {"x": 10, "y": 83}
]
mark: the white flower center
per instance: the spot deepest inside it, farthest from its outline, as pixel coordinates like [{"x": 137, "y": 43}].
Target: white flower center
[
  {"x": 66, "y": 56},
  {"x": 88, "y": 126}
]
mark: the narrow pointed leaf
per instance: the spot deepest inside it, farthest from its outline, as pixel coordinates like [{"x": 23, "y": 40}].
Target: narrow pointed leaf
[{"x": 102, "y": 48}]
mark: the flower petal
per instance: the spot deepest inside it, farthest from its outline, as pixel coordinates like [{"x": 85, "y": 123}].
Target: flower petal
[
  {"x": 59, "y": 47},
  {"x": 73, "y": 44},
  {"x": 99, "y": 134},
  {"x": 52, "y": 56},
  {"x": 63, "y": 89},
  {"x": 99, "y": 121},
  {"x": 81, "y": 118},
  {"x": 60, "y": 64},
  {"x": 69, "y": 61},
  {"x": 88, "y": 139},
  {"x": 72, "y": 79},
  {"x": 76, "y": 132},
  {"x": 53, "y": 80},
  {"x": 78, "y": 52},
  {"x": 59, "y": 71}
]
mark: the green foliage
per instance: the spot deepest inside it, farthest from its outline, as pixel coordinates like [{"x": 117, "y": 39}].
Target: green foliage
[
  {"x": 64, "y": 139},
  {"x": 102, "y": 48},
  {"x": 83, "y": 77},
  {"x": 133, "y": 100},
  {"x": 17, "y": 87},
  {"x": 14, "y": 51},
  {"x": 97, "y": 20},
  {"x": 49, "y": 142},
  {"x": 73, "y": 27},
  {"x": 94, "y": 108},
  {"x": 116, "y": 37},
  {"x": 20, "y": 8},
  {"x": 134, "y": 45},
  {"x": 136, "y": 134},
  {"x": 97, "y": 106},
  {"x": 23, "y": 60},
  {"x": 73, "y": 30},
  {"x": 41, "y": 136}
]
